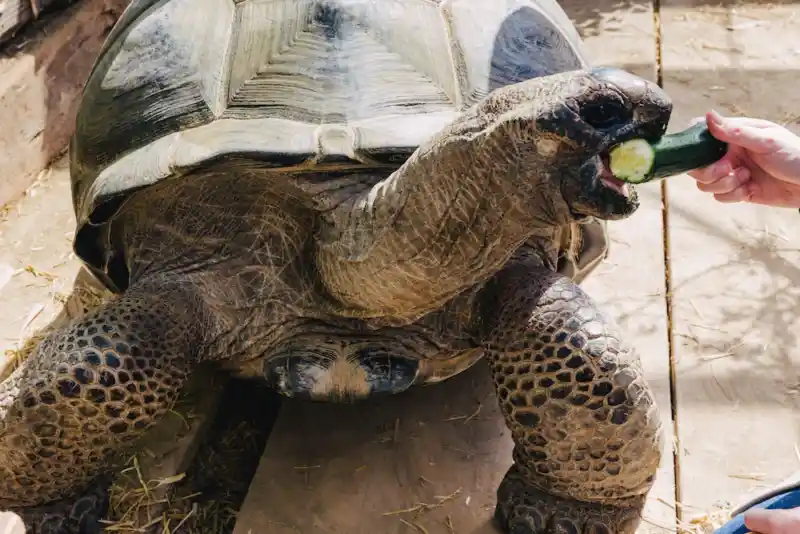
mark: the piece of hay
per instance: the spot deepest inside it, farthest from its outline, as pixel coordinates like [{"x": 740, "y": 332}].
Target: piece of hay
[
  {"x": 138, "y": 508},
  {"x": 708, "y": 523}
]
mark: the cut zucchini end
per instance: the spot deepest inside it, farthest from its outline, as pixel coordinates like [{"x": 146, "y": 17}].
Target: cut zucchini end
[{"x": 632, "y": 161}]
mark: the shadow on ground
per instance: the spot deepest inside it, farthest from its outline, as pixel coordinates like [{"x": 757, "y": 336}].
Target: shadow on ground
[{"x": 756, "y": 330}]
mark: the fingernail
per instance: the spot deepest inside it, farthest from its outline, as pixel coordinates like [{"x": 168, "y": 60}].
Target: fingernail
[{"x": 715, "y": 117}]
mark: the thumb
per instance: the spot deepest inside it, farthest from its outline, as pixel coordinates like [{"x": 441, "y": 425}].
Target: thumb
[
  {"x": 773, "y": 521},
  {"x": 754, "y": 139}
]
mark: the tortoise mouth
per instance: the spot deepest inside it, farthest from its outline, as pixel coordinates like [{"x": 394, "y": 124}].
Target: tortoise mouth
[
  {"x": 604, "y": 177},
  {"x": 650, "y": 131},
  {"x": 599, "y": 193},
  {"x": 607, "y": 179}
]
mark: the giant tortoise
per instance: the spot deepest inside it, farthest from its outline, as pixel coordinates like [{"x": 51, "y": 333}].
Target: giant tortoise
[{"x": 347, "y": 198}]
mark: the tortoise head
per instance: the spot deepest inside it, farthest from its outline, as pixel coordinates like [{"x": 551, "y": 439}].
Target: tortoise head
[{"x": 587, "y": 116}]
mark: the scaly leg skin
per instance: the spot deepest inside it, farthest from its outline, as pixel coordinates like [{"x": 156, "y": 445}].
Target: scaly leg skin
[
  {"x": 586, "y": 430},
  {"x": 87, "y": 391}
]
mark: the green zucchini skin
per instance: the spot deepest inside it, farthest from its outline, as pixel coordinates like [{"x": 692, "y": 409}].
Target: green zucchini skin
[{"x": 685, "y": 151}]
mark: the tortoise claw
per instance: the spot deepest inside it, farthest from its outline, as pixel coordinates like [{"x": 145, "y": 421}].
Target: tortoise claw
[
  {"x": 522, "y": 508},
  {"x": 81, "y": 515}
]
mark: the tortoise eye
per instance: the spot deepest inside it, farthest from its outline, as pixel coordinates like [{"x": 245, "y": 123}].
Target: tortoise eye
[{"x": 604, "y": 115}]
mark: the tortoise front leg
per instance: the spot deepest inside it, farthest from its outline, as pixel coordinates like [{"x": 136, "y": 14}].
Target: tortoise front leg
[
  {"x": 587, "y": 433},
  {"x": 87, "y": 390}
]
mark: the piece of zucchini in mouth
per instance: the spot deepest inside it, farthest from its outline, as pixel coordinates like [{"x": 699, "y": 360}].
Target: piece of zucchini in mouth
[{"x": 638, "y": 161}]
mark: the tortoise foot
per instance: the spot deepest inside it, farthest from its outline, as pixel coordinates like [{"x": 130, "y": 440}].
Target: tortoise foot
[
  {"x": 77, "y": 515},
  {"x": 525, "y": 509}
]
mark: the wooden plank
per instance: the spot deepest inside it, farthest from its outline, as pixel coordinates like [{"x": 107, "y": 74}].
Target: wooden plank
[
  {"x": 40, "y": 86},
  {"x": 735, "y": 268},
  {"x": 339, "y": 469},
  {"x": 342, "y": 468}
]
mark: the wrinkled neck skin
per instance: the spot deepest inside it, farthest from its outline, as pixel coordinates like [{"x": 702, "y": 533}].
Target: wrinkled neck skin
[{"x": 447, "y": 220}]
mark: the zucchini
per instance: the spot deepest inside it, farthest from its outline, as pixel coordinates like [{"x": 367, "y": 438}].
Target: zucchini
[{"x": 638, "y": 160}]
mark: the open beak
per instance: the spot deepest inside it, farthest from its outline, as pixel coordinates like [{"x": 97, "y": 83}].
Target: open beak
[{"x": 607, "y": 178}]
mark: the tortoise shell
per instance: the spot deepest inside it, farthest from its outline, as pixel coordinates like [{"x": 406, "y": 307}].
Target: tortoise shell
[{"x": 295, "y": 84}]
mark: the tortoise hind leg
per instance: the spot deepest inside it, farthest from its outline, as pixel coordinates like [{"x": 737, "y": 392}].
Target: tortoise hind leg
[
  {"x": 87, "y": 390},
  {"x": 586, "y": 431}
]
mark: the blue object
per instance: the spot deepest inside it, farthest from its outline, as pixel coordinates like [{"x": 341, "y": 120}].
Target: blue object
[{"x": 788, "y": 499}]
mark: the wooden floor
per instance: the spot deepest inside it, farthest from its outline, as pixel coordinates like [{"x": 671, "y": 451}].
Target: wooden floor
[{"x": 726, "y": 365}]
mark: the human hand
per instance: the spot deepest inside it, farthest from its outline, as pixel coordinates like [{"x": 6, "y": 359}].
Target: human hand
[
  {"x": 762, "y": 521},
  {"x": 762, "y": 165}
]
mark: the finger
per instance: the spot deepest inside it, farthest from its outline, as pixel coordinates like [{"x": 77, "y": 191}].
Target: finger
[
  {"x": 713, "y": 172},
  {"x": 696, "y": 120},
  {"x": 773, "y": 521},
  {"x": 727, "y": 183},
  {"x": 740, "y": 194},
  {"x": 703, "y": 174},
  {"x": 699, "y": 175},
  {"x": 736, "y": 122},
  {"x": 743, "y": 122},
  {"x": 758, "y": 140}
]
